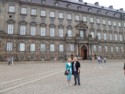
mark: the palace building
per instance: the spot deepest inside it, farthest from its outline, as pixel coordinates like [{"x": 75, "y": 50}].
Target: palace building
[{"x": 57, "y": 29}]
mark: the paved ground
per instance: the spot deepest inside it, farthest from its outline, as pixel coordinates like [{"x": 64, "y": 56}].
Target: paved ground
[{"x": 48, "y": 78}]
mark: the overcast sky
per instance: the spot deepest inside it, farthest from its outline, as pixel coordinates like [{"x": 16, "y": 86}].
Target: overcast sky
[{"x": 117, "y": 4}]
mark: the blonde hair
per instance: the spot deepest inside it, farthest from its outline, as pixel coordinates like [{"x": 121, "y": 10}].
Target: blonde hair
[
  {"x": 69, "y": 59},
  {"x": 75, "y": 58}
]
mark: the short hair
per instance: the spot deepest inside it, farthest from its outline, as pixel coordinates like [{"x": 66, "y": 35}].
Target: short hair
[{"x": 75, "y": 58}]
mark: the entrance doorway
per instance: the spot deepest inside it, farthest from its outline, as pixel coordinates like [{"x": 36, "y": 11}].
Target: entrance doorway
[{"x": 84, "y": 52}]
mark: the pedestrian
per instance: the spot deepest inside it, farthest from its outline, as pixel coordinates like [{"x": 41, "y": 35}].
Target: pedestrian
[
  {"x": 104, "y": 59},
  {"x": 99, "y": 59},
  {"x": 124, "y": 68},
  {"x": 12, "y": 60},
  {"x": 69, "y": 69},
  {"x": 9, "y": 60},
  {"x": 76, "y": 71}
]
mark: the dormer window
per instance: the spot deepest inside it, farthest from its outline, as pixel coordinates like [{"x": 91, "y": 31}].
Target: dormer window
[
  {"x": 107, "y": 13},
  {"x": 90, "y": 10},
  {"x": 43, "y": 1},
  {"x": 115, "y": 15},
  {"x": 68, "y": 6},
  {"x": 99, "y": 11},
  {"x": 56, "y": 4},
  {"x": 79, "y": 8}
]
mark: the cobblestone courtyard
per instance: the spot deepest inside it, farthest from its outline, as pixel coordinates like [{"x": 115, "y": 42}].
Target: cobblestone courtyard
[{"x": 49, "y": 78}]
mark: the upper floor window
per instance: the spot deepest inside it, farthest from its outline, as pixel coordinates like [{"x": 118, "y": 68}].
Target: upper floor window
[
  {"x": 23, "y": 10},
  {"x": 77, "y": 17},
  {"x": 52, "y": 15},
  {"x": 98, "y": 21},
  {"x": 60, "y": 32},
  {"x": 33, "y": 30},
  {"x": 81, "y": 33},
  {"x": 61, "y": 48},
  {"x": 121, "y": 38},
  {"x": 12, "y": 9},
  {"x": 10, "y": 29},
  {"x": 105, "y": 36},
  {"x": 111, "y": 49},
  {"x": 104, "y": 22},
  {"x": 90, "y": 10},
  {"x": 106, "y": 49},
  {"x": 32, "y": 47},
  {"x": 110, "y": 36},
  {"x": 22, "y": 30},
  {"x": 99, "y": 35},
  {"x": 33, "y": 11},
  {"x": 9, "y": 46},
  {"x": 52, "y": 32},
  {"x": 117, "y": 49},
  {"x": 93, "y": 35},
  {"x": 71, "y": 47},
  {"x": 84, "y": 19},
  {"x": 43, "y": 47},
  {"x": 91, "y": 20},
  {"x": 116, "y": 38},
  {"x": 122, "y": 49},
  {"x": 43, "y": 13},
  {"x": 94, "y": 48},
  {"x": 52, "y": 47},
  {"x": 109, "y": 22},
  {"x": 60, "y": 15},
  {"x": 68, "y": 6},
  {"x": 43, "y": 31},
  {"x": 69, "y": 33},
  {"x": 100, "y": 48},
  {"x": 114, "y": 23},
  {"x": 69, "y": 17},
  {"x": 22, "y": 47},
  {"x": 119, "y": 24}
]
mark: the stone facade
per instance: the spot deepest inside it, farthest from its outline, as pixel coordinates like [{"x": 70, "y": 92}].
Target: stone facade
[{"x": 86, "y": 30}]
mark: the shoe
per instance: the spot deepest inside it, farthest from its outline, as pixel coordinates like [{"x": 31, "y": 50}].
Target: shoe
[
  {"x": 75, "y": 84},
  {"x": 79, "y": 84}
]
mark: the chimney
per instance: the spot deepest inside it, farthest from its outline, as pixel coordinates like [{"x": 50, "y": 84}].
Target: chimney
[
  {"x": 97, "y": 3},
  {"x": 121, "y": 9},
  {"x": 111, "y": 7}
]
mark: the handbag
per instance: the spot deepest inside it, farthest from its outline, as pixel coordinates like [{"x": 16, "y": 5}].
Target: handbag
[{"x": 66, "y": 72}]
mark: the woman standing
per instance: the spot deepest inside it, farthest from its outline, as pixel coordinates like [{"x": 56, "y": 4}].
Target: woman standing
[{"x": 69, "y": 69}]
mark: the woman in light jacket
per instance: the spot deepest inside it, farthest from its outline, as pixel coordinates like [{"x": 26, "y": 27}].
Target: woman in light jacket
[{"x": 69, "y": 68}]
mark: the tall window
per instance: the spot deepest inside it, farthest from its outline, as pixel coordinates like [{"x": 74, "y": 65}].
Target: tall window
[
  {"x": 69, "y": 17},
  {"x": 116, "y": 48},
  {"x": 12, "y": 9},
  {"x": 43, "y": 47},
  {"x": 122, "y": 49},
  {"x": 109, "y": 22},
  {"x": 71, "y": 47},
  {"x": 52, "y": 32},
  {"x": 32, "y": 47},
  {"x": 60, "y": 15},
  {"x": 23, "y": 10},
  {"x": 81, "y": 33},
  {"x": 94, "y": 48},
  {"x": 116, "y": 38},
  {"x": 84, "y": 19},
  {"x": 22, "y": 47},
  {"x": 77, "y": 17},
  {"x": 114, "y": 23},
  {"x": 9, "y": 46},
  {"x": 121, "y": 38},
  {"x": 105, "y": 36},
  {"x": 61, "y": 48},
  {"x": 22, "y": 30},
  {"x": 52, "y": 14},
  {"x": 33, "y": 30},
  {"x": 10, "y": 28},
  {"x": 100, "y": 48},
  {"x": 111, "y": 49},
  {"x": 69, "y": 33},
  {"x": 110, "y": 36},
  {"x": 104, "y": 22},
  {"x": 60, "y": 32},
  {"x": 91, "y": 20},
  {"x": 52, "y": 47},
  {"x": 119, "y": 24},
  {"x": 93, "y": 35},
  {"x": 99, "y": 35},
  {"x": 33, "y": 11},
  {"x": 98, "y": 21},
  {"x": 43, "y": 13},
  {"x": 43, "y": 31},
  {"x": 106, "y": 49}
]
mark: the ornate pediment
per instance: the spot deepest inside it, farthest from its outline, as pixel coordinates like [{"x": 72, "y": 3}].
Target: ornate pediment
[
  {"x": 10, "y": 21},
  {"x": 82, "y": 25}
]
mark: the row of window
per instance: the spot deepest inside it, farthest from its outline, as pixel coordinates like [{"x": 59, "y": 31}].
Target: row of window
[
  {"x": 69, "y": 16},
  {"x": 106, "y": 48},
  {"x": 22, "y": 47},
  {"x": 33, "y": 30}
]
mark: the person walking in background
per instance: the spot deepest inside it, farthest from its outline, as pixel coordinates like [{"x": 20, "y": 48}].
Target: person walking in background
[
  {"x": 12, "y": 59},
  {"x": 99, "y": 59},
  {"x": 104, "y": 59},
  {"x": 69, "y": 69},
  {"x": 9, "y": 60},
  {"x": 76, "y": 71}
]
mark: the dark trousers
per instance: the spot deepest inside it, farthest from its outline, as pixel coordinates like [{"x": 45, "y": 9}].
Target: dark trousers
[{"x": 76, "y": 78}]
